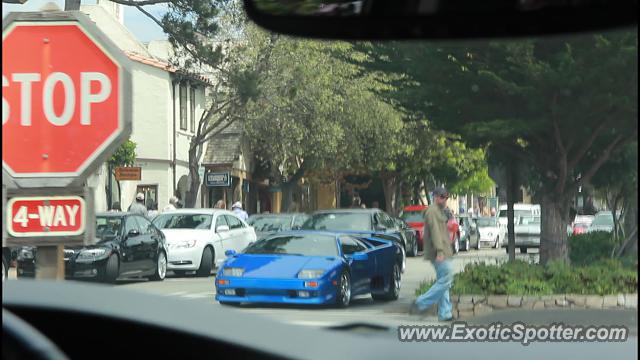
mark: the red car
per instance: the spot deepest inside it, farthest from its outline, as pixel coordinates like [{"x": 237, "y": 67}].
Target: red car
[{"x": 414, "y": 216}]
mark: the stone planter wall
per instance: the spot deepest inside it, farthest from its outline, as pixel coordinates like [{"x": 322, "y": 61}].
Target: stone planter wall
[{"x": 465, "y": 306}]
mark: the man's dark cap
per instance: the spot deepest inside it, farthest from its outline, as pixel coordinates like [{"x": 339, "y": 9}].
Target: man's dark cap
[{"x": 440, "y": 191}]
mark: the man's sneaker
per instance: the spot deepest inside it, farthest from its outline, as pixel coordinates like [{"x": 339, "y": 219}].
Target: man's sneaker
[{"x": 414, "y": 310}]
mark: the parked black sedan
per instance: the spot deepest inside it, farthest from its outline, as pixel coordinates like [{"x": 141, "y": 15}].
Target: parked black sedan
[
  {"x": 410, "y": 235},
  {"x": 127, "y": 245},
  {"x": 267, "y": 224}
]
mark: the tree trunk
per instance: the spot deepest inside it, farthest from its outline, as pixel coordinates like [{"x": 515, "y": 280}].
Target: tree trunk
[
  {"x": 390, "y": 188},
  {"x": 512, "y": 188},
  {"x": 631, "y": 224},
  {"x": 194, "y": 178},
  {"x": 287, "y": 196},
  {"x": 553, "y": 236}
]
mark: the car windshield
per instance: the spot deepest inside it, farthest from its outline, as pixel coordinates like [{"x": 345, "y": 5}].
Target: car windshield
[
  {"x": 603, "y": 220},
  {"x": 517, "y": 213},
  {"x": 412, "y": 216},
  {"x": 188, "y": 115},
  {"x": 487, "y": 222},
  {"x": 107, "y": 226},
  {"x": 183, "y": 221},
  {"x": 270, "y": 223},
  {"x": 339, "y": 222},
  {"x": 303, "y": 244}
]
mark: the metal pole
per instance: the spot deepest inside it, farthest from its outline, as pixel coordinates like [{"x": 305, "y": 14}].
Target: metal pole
[{"x": 110, "y": 187}]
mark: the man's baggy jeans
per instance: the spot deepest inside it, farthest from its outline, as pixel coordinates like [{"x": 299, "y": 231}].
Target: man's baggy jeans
[{"x": 439, "y": 291}]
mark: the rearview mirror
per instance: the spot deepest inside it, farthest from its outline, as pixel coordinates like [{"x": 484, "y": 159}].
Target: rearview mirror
[
  {"x": 359, "y": 256},
  {"x": 437, "y": 19},
  {"x": 222, "y": 228},
  {"x": 133, "y": 233}
]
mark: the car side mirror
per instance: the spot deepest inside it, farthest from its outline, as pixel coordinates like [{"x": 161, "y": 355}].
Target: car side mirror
[
  {"x": 133, "y": 233},
  {"x": 230, "y": 253},
  {"x": 222, "y": 228},
  {"x": 359, "y": 256}
]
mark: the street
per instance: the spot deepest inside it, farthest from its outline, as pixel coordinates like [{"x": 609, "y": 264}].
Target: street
[{"x": 362, "y": 309}]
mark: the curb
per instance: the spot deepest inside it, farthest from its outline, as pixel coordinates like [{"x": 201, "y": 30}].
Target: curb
[{"x": 466, "y": 306}]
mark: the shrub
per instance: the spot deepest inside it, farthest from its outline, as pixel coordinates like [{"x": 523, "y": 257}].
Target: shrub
[
  {"x": 585, "y": 249},
  {"x": 602, "y": 277}
]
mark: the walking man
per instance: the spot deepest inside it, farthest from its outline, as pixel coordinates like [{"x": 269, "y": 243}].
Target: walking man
[
  {"x": 138, "y": 206},
  {"x": 237, "y": 209},
  {"x": 173, "y": 201},
  {"x": 437, "y": 249}
]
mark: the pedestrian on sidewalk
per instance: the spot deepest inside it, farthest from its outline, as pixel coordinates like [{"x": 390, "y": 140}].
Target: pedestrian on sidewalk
[
  {"x": 138, "y": 207},
  {"x": 437, "y": 249},
  {"x": 153, "y": 211},
  {"x": 220, "y": 205},
  {"x": 173, "y": 201},
  {"x": 237, "y": 210}
]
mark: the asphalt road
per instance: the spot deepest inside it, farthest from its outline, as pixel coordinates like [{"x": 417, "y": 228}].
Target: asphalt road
[{"x": 362, "y": 309}]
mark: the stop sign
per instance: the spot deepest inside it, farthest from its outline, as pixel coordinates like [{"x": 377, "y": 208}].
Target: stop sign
[{"x": 65, "y": 93}]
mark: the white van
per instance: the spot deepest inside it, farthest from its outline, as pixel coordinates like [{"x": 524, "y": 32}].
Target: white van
[{"x": 519, "y": 210}]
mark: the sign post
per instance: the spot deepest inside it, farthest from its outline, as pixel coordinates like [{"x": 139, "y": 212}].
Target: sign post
[{"x": 62, "y": 117}]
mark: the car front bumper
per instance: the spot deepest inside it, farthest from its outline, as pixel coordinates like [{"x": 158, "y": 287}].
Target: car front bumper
[
  {"x": 280, "y": 291},
  {"x": 184, "y": 258}
]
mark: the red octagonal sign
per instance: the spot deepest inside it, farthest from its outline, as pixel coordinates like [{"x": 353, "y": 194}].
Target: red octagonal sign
[{"x": 62, "y": 98}]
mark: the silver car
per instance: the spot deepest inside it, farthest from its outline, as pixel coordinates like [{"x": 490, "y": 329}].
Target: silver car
[{"x": 527, "y": 231}]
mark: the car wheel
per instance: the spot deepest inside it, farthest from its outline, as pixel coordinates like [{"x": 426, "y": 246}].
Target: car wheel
[
  {"x": 456, "y": 245},
  {"x": 414, "y": 249},
  {"x": 497, "y": 245},
  {"x": 111, "y": 269},
  {"x": 206, "y": 264},
  {"x": 343, "y": 296},
  {"x": 161, "y": 267},
  {"x": 523, "y": 250},
  {"x": 393, "y": 292}
]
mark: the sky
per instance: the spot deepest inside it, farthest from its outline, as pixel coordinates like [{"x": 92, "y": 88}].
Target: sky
[{"x": 139, "y": 24}]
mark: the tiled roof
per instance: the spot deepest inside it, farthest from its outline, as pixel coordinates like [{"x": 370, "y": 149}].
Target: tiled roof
[
  {"x": 164, "y": 66},
  {"x": 222, "y": 149}
]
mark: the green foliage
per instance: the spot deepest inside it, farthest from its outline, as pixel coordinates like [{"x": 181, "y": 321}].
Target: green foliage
[
  {"x": 585, "y": 249},
  {"x": 125, "y": 155},
  {"x": 521, "y": 278}
]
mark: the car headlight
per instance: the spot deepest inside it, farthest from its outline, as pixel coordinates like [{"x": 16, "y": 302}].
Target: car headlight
[
  {"x": 184, "y": 244},
  {"x": 92, "y": 254},
  {"x": 233, "y": 271},
  {"x": 310, "y": 274}
]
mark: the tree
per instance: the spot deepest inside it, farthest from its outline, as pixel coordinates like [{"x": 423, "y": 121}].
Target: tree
[
  {"x": 561, "y": 106},
  {"x": 617, "y": 182},
  {"x": 310, "y": 117},
  {"x": 125, "y": 155}
]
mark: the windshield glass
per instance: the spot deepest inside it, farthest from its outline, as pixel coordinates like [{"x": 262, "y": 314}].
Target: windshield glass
[
  {"x": 270, "y": 223},
  {"x": 189, "y": 113},
  {"x": 183, "y": 221},
  {"x": 603, "y": 220},
  {"x": 517, "y": 213},
  {"x": 107, "y": 226},
  {"x": 305, "y": 245},
  {"x": 487, "y": 222},
  {"x": 412, "y": 216},
  {"x": 339, "y": 221}
]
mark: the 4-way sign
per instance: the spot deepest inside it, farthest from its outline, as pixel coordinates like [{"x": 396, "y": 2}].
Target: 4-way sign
[{"x": 46, "y": 216}]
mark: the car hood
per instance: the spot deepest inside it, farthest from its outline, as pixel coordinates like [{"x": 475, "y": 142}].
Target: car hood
[
  {"x": 280, "y": 266},
  {"x": 173, "y": 235}
]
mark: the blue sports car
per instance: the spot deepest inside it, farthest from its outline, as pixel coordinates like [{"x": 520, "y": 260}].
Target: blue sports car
[{"x": 311, "y": 267}]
